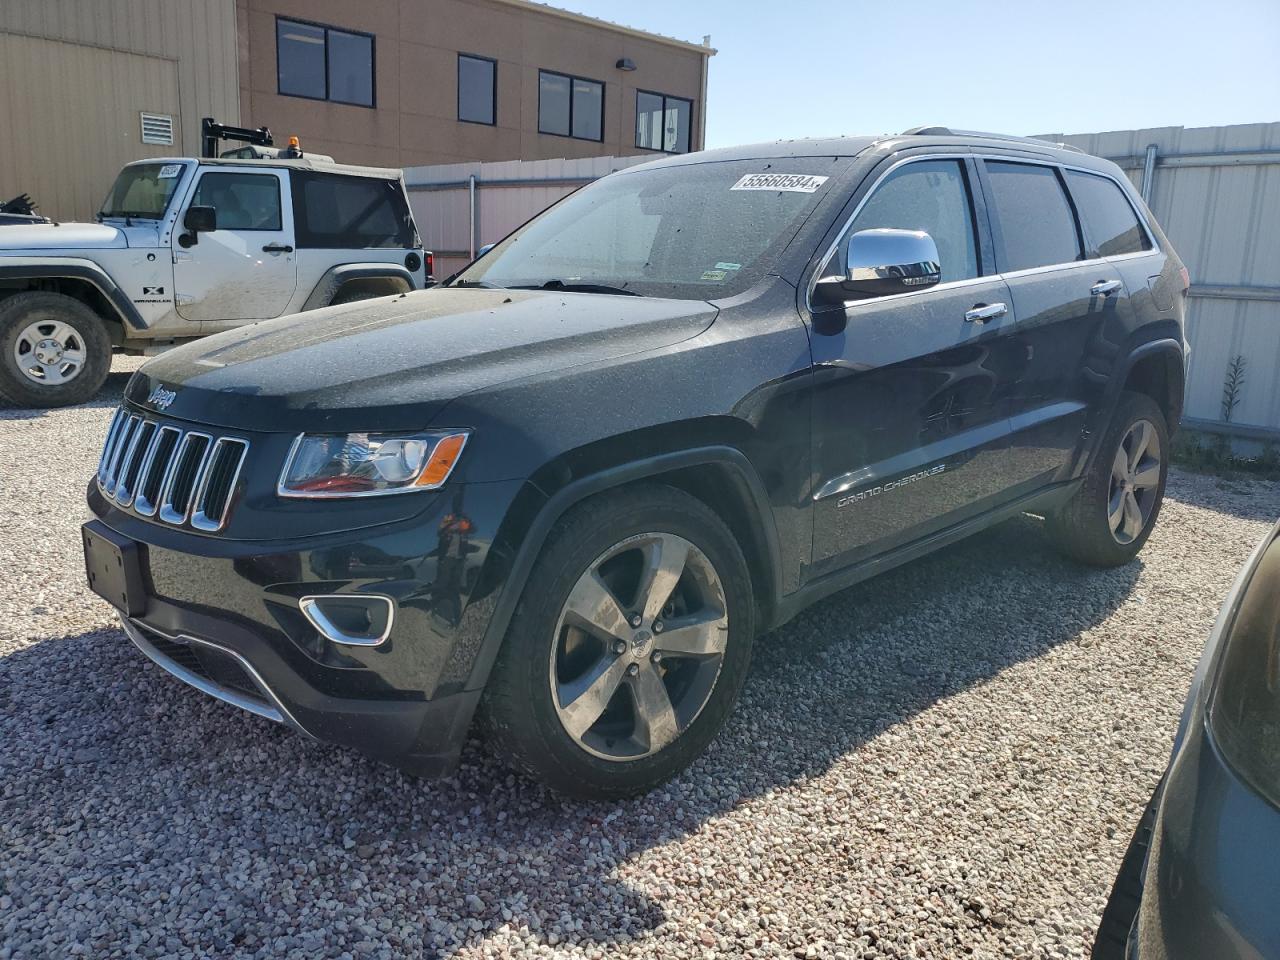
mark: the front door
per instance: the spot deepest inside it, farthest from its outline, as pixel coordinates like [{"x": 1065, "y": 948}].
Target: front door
[
  {"x": 245, "y": 269},
  {"x": 910, "y": 402}
]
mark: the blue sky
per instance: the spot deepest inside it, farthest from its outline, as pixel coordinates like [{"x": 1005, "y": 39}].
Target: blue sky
[{"x": 807, "y": 68}]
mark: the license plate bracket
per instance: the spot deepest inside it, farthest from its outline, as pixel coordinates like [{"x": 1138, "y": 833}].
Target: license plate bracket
[{"x": 113, "y": 564}]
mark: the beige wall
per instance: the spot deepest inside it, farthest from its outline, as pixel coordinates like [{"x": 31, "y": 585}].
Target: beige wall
[
  {"x": 416, "y": 47},
  {"x": 75, "y": 74}
]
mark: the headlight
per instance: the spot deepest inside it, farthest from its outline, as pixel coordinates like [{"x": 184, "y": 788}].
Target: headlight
[
  {"x": 367, "y": 464},
  {"x": 1245, "y": 711}
]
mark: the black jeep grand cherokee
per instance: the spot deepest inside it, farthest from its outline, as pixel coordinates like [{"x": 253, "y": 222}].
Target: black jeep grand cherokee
[{"x": 573, "y": 485}]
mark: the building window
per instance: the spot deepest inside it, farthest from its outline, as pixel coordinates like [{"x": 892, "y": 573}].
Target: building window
[
  {"x": 322, "y": 63},
  {"x": 477, "y": 89},
  {"x": 662, "y": 122},
  {"x": 570, "y": 106}
]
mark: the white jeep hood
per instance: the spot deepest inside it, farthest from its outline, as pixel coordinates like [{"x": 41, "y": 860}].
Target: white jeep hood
[{"x": 59, "y": 236}]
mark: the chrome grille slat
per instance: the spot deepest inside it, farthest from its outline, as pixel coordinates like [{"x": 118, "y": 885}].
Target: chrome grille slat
[
  {"x": 109, "y": 446},
  {"x": 178, "y": 476}
]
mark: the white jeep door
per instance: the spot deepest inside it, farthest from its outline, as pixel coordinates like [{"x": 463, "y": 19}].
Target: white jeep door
[{"x": 245, "y": 269}]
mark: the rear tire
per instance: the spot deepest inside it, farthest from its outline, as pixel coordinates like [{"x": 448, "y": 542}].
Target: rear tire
[
  {"x": 604, "y": 712},
  {"x": 54, "y": 350},
  {"x": 1113, "y": 513}
]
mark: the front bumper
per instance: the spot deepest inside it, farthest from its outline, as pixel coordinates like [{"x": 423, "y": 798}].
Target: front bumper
[{"x": 225, "y": 616}]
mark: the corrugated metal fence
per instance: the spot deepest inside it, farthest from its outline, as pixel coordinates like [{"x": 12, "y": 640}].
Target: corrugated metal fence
[
  {"x": 1216, "y": 192},
  {"x": 460, "y": 207}
]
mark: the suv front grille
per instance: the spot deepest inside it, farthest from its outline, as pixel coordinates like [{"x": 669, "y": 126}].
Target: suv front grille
[{"x": 159, "y": 470}]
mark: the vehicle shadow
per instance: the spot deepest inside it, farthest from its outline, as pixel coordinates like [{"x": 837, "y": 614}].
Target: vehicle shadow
[{"x": 112, "y": 766}]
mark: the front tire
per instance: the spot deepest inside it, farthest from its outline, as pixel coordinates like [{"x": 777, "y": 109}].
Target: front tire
[
  {"x": 54, "y": 350},
  {"x": 1111, "y": 516},
  {"x": 628, "y": 648}
]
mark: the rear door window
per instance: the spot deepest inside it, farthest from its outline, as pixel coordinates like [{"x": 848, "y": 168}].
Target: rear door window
[
  {"x": 1036, "y": 227},
  {"x": 928, "y": 195},
  {"x": 345, "y": 213},
  {"x": 1109, "y": 221}
]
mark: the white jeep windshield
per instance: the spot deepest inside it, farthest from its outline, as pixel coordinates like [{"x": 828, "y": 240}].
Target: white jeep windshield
[
  {"x": 691, "y": 231},
  {"x": 142, "y": 191}
]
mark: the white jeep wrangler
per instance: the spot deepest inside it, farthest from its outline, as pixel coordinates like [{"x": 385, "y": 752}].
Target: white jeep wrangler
[{"x": 188, "y": 247}]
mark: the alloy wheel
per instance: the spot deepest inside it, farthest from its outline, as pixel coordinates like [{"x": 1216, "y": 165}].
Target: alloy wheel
[
  {"x": 50, "y": 352},
  {"x": 639, "y": 645},
  {"x": 1135, "y": 482}
]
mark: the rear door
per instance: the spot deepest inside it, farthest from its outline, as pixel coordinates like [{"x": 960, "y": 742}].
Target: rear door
[
  {"x": 910, "y": 430},
  {"x": 1069, "y": 306},
  {"x": 245, "y": 269}
]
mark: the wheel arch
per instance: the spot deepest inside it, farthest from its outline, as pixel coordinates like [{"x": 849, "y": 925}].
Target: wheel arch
[
  {"x": 1157, "y": 369},
  {"x": 383, "y": 279},
  {"x": 719, "y": 474},
  {"x": 81, "y": 280}
]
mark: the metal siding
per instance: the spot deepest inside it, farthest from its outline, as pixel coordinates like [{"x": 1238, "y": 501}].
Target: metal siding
[
  {"x": 1224, "y": 220},
  {"x": 70, "y": 110},
  {"x": 443, "y": 215}
]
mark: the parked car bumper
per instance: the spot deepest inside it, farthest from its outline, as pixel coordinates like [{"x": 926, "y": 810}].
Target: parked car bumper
[{"x": 228, "y": 618}]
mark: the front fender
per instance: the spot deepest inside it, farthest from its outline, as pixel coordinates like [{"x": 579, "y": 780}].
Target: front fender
[{"x": 75, "y": 268}]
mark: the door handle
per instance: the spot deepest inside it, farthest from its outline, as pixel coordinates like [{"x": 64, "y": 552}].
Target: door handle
[
  {"x": 982, "y": 312},
  {"x": 1104, "y": 288},
  {"x": 277, "y": 248}
]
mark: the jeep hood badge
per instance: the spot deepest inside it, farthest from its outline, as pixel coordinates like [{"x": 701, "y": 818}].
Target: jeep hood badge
[{"x": 160, "y": 398}]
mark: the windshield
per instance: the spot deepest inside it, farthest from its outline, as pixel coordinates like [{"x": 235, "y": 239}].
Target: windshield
[
  {"x": 142, "y": 191},
  {"x": 692, "y": 231}
]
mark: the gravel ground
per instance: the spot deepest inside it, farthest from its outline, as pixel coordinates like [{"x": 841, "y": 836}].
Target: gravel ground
[{"x": 943, "y": 762}]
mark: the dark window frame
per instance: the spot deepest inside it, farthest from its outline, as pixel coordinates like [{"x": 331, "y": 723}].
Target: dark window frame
[
  {"x": 270, "y": 175},
  {"x": 327, "y": 28},
  {"x": 571, "y": 78},
  {"x": 493, "y": 109},
  {"x": 665, "y": 97}
]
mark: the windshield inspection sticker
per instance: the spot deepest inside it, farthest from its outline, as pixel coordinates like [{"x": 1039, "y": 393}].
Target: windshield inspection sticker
[
  {"x": 716, "y": 275},
  {"x": 789, "y": 182},
  {"x": 728, "y": 266},
  {"x": 169, "y": 171}
]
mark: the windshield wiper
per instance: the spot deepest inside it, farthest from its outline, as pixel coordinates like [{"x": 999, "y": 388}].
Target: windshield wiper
[
  {"x": 577, "y": 288},
  {"x": 477, "y": 284}
]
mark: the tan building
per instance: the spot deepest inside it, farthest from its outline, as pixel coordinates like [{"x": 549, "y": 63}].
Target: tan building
[
  {"x": 88, "y": 85},
  {"x": 410, "y": 82}
]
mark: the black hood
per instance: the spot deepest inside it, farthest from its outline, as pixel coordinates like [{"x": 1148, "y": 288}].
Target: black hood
[{"x": 393, "y": 363}]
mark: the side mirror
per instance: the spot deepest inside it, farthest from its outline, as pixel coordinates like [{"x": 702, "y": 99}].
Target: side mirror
[
  {"x": 201, "y": 219},
  {"x": 881, "y": 262}
]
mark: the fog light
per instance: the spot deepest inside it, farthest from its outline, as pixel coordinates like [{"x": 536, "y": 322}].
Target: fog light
[{"x": 361, "y": 620}]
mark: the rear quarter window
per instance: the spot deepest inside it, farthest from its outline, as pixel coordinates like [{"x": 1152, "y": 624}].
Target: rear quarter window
[
  {"x": 1110, "y": 224},
  {"x": 1036, "y": 225},
  {"x": 340, "y": 212}
]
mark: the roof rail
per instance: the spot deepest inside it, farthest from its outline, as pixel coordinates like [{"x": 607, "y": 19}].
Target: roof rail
[{"x": 948, "y": 132}]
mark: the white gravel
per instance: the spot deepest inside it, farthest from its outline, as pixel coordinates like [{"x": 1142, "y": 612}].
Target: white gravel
[{"x": 943, "y": 762}]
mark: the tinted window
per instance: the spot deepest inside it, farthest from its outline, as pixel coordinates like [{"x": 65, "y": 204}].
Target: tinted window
[
  {"x": 570, "y": 106},
  {"x": 323, "y": 63},
  {"x": 476, "y": 89},
  {"x": 350, "y": 213},
  {"x": 1036, "y": 223},
  {"x": 300, "y": 59},
  {"x": 244, "y": 201},
  {"x": 662, "y": 122},
  {"x": 351, "y": 68},
  {"x": 1109, "y": 220},
  {"x": 928, "y": 195}
]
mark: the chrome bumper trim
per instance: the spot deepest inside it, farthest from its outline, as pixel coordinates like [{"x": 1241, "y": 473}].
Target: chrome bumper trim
[{"x": 272, "y": 710}]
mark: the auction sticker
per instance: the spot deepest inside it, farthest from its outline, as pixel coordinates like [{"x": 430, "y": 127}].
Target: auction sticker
[
  {"x": 169, "y": 171},
  {"x": 789, "y": 182}
]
